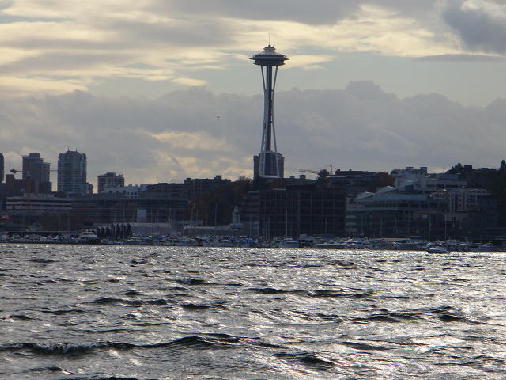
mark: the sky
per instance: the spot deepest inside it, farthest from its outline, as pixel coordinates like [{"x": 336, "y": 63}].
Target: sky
[{"x": 161, "y": 90}]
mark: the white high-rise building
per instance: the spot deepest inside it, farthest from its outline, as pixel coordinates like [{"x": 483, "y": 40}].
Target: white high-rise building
[{"x": 72, "y": 173}]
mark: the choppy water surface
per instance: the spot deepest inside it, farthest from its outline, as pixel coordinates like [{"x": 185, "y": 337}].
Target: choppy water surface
[{"x": 71, "y": 312}]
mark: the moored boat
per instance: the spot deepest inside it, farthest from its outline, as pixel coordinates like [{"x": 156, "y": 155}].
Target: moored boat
[
  {"x": 288, "y": 243},
  {"x": 437, "y": 249}
]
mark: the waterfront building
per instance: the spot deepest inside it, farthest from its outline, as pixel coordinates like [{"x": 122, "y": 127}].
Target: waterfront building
[
  {"x": 391, "y": 213},
  {"x": 173, "y": 190},
  {"x": 455, "y": 213},
  {"x": 411, "y": 179},
  {"x": 35, "y": 173},
  {"x": 195, "y": 187},
  {"x": 470, "y": 212},
  {"x": 129, "y": 204},
  {"x": 72, "y": 173},
  {"x": 307, "y": 208},
  {"x": 356, "y": 181},
  {"x": 109, "y": 180},
  {"x": 129, "y": 191},
  {"x": 191, "y": 188},
  {"x": 155, "y": 207},
  {"x": 269, "y": 163},
  {"x": 102, "y": 209},
  {"x": 37, "y": 204}
]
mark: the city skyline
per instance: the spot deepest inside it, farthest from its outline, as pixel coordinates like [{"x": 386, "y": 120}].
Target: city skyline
[{"x": 162, "y": 91}]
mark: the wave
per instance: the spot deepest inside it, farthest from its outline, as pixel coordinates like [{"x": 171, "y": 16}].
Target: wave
[
  {"x": 269, "y": 290},
  {"x": 443, "y": 313},
  {"x": 21, "y": 317},
  {"x": 366, "y": 346},
  {"x": 133, "y": 293},
  {"x": 344, "y": 264},
  {"x": 63, "y": 311},
  {"x": 309, "y": 359},
  {"x": 42, "y": 260},
  {"x": 318, "y": 293},
  {"x": 139, "y": 261},
  {"x": 67, "y": 349},
  {"x": 378, "y": 318},
  {"x": 202, "y": 306},
  {"x": 51, "y": 368},
  {"x": 232, "y": 283},
  {"x": 195, "y": 306},
  {"x": 121, "y": 301},
  {"x": 335, "y": 293},
  {"x": 329, "y": 317},
  {"x": 55, "y": 349},
  {"x": 390, "y": 316},
  {"x": 101, "y": 378},
  {"x": 112, "y": 300},
  {"x": 191, "y": 281}
]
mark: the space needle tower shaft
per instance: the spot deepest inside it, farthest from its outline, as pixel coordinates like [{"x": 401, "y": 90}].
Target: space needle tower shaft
[{"x": 269, "y": 163}]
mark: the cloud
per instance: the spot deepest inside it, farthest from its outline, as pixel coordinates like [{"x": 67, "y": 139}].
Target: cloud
[
  {"x": 13, "y": 85},
  {"x": 481, "y": 25},
  {"x": 196, "y": 141},
  {"x": 95, "y": 41},
  {"x": 62, "y": 62},
  {"x": 309, "y": 62},
  {"x": 407, "y": 7},
  {"x": 170, "y": 31},
  {"x": 190, "y": 81},
  {"x": 302, "y": 11},
  {"x": 462, "y": 58},
  {"x": 196, "y": 133}
]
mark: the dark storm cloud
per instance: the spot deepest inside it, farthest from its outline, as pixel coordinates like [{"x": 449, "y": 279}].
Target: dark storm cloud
[
  {"x": 358, "y": 127},
  {"x": 478, "y": 29},
  {"x": 309, "y": 12},
  {"x": 303, "y": 11}
]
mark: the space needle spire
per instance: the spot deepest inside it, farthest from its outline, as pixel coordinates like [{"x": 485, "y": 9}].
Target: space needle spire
[{"x": 269, "y": 163}]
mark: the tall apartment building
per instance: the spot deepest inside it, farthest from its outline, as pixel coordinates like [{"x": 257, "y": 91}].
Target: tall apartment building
[
  {"x": 109, "y": 179},
  {"x": 36, "y": 173},
  {"x": 72, "y": 173},
  {"x": 2, "y": 168}
]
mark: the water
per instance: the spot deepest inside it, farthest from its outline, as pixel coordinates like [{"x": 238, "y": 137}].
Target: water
[{"x": 80, "y": 312}]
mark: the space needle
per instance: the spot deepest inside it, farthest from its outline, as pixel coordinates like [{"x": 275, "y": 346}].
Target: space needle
[{"x": 269, "y": 163}]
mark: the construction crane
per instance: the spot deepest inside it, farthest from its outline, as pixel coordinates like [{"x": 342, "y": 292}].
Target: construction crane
[
  {"x": 308, "y": 171},
  {"x": 15, "y": 171}
]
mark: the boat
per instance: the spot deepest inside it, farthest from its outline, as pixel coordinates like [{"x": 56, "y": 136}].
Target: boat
[
  {"x": 88, "y": 237},
  {"x": 437, "y": 249},
  {"x": 331, "y": 245},
  {"x": 288, "y": 243}
]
